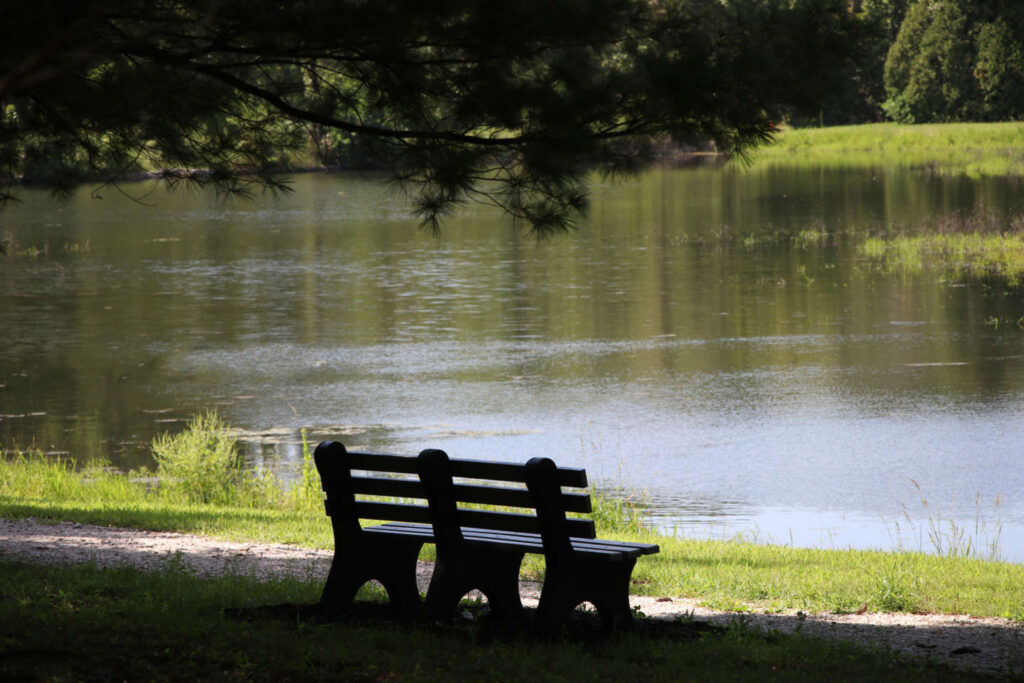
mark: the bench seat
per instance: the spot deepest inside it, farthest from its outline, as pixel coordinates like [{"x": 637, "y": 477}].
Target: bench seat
[{"x": 611, "y": 551}]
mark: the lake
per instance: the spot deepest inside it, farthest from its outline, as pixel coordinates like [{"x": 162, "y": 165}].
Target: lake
[{"x": 710, "y": 342}]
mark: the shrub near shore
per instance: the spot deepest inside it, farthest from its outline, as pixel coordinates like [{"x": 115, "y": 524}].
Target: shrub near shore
[{"x": 723, "y": 574}]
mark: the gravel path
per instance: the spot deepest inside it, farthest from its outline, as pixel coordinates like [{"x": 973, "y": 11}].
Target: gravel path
[{"x": 980, "y": 644}]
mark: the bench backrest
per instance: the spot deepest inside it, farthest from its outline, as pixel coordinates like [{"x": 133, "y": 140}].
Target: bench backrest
[
  {"x": 348, "y": 477},
  {"x": 450, "y": 486}
]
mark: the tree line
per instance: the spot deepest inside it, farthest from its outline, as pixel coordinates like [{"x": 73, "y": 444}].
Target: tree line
[
  {"x": 933, "y": 61},
  {"x": 512, "y": 103}
]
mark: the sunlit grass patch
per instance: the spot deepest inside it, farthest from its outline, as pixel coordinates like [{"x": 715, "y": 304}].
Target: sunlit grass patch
[
  {"x": 723, "y": 574},
  {"x": 976, "y": 244},
  {"x": 973, "y": 149},
  {"x": 958, "y": 255}
]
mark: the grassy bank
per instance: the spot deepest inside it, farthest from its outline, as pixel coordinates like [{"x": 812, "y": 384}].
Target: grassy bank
[
  {"x": 81, "y": 623},
  {"x": 723, "y": 574},
  {"x": 975, "y": 149}
]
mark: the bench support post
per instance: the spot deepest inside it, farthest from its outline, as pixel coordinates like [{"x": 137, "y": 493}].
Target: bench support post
[
  {"x": 603, "y": 583},
  {"x": 571, "y": 578},
  {"x": 494, "y": 573},
  {"x": 359, "y": 556},
  {"x": 390, "y": 561},
  {"x": 460, "y": 566}
]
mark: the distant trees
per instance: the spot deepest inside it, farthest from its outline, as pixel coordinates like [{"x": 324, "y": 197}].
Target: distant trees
[
  {"x": 957, "y": 60},
  {"x": 920, "y": 61},
  {"x": 861, "y": 91},
  {"x": 1000, "y": 67},
  {"x": 887, "y": 14}
]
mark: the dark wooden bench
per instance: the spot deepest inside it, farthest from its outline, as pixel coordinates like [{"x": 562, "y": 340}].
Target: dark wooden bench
[{"x": 476, "y": 549}]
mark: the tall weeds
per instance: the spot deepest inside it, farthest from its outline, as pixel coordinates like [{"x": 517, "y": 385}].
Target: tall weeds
[
  {"x": 306, "y": 493},
  {"x": 618, "y": 513},
  {"x": 203, "y": 464},
  {"x": 950, "y": 538}
]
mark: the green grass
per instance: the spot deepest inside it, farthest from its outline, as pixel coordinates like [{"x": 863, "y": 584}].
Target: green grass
[
  {"x": 961, "y": 246},
  {"x": 974, "y": 149},
  {"x": 960, "y": 256},
  {"x": 723, "y": 574},
  {"x": 744, "y": 576},
  {"x": 82, "y": 623}
]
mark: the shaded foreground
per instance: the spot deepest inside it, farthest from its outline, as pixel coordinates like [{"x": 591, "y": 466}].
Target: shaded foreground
[
  {"x": 80, "y": 622},
  {"x": 994, "y": 645}
]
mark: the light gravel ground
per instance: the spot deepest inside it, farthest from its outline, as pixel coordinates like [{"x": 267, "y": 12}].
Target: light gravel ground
[{"x": 979, "y": 644}]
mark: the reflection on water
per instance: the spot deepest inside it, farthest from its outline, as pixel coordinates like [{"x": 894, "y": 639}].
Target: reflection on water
[{"x": 687, "y": 343}]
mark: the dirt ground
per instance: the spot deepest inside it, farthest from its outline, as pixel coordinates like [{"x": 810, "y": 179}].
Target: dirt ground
[{"x": 979, "y": 644}]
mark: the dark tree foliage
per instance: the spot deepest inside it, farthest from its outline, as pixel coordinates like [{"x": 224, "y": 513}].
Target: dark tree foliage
[
  {"x": 511, "y": 102},
  {"x": 887, "y": 13},
  {"x": 1000, "y": 67},
  {"x": 863, "y": 93}
]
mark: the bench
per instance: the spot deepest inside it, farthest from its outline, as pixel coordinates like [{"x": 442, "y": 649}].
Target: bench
[{"x": 476, "y": 549}]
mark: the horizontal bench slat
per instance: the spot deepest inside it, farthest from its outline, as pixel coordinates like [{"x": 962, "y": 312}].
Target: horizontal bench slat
[
  {"x": 466, "y": 493},
  {"x": 534, "y": 544},
  {"x": 531, "y": 541},
  {"x": 505, "y": 471},
  {"x": 468, "y": 469},
  {"x": 527, "y": 542},
  {"x": 632, "y": 549},
  {"x": 478, "y": 520},
  {"x": 403, "y": 529},
  {"x": 492, "y": 495},
  {"x": 596, "y": 545},
  {"x": 496, "y": 495},
  {"x": 503, "y": 521},
  {"x": 398, "y": 488},
  {"x": 399, "y": 512},
  {"x": 482, "y": 519},
  {"x": 382, "y": 462},
  {"x": 510, "y": 521}
]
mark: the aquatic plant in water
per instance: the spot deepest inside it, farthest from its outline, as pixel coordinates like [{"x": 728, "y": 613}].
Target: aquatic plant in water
[{"x": 963, "y": 245}]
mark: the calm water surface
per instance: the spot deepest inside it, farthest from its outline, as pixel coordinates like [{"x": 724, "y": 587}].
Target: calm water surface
[{"x": 680, "y": 346}]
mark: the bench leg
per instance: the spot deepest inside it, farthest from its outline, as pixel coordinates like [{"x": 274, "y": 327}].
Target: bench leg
[
  {"x": 605, "y": 584},
  {"x": 493, "y": 573},
  {"x": 390, "y": 561}
]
